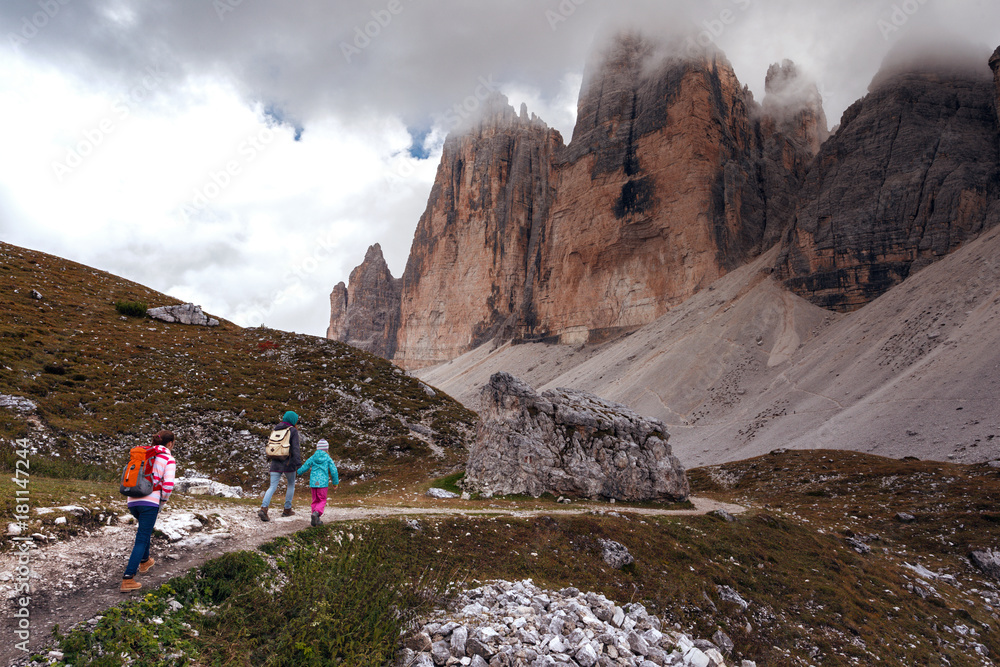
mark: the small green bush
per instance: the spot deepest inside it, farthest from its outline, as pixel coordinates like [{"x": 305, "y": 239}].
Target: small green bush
[
  {"x": 451, "y": 482},
  {"x": 131, "y": 308}
]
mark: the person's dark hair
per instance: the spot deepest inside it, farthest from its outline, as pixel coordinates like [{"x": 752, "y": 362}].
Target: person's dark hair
[{"x": 163, "y": 438}]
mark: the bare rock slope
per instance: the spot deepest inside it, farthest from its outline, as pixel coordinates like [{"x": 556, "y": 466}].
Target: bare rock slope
[{"x": 746, "y": 366}]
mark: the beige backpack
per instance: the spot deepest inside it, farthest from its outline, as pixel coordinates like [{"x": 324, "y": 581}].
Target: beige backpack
[{"x": 279, "y": 445}]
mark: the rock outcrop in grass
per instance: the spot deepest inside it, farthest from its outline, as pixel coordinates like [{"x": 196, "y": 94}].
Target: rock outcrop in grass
[{"x": 569, "y": 442}]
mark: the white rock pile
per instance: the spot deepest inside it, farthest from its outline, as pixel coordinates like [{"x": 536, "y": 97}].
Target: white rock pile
[
  {"x": 503, "y": 624},
  {"x": 206, "y": 487}
]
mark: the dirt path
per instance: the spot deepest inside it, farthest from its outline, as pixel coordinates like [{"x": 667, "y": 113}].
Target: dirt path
[{"x": 77, "y": 579}]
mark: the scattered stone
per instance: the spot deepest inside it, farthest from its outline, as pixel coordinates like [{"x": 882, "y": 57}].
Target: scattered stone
[
  {"x": 722, "y": 640},
  {"x": 729, "y": 595},
  {"x": 60, "y": 521},
  {"x": 420, "y": 429},
  {"x": 905, "y": 517},
  {"x": 75, "y": 510},
  {"x": 440, "y": 493},
  {"x": 412, "y": 524},
  {"x": 615, "y": 554},
  {"x": 13, "y": 529},
  {"x": 177, "y": 526},
  {"x": 723, "y": 514},
  {"x": 440, "y": 652},
  {"x": 35, "y": 294},
  {"x": 418, "y": 642},
  {"x": 987, "y": 561},
  {"x": 569, "y": 442},
  {"x": 186, "y": 313},
  {"x": 459, "y": 637},
  {"x": 201, "y": 541},
  {"x": 206, "y": 487},
  {"x": 858, "y": 545},
  {"x": 17, "y": 403}
]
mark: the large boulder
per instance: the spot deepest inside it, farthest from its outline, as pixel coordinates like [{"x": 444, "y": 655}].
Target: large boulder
[
  {"x": 186, "y": 313},
  {"x": 569, "y": 442}
]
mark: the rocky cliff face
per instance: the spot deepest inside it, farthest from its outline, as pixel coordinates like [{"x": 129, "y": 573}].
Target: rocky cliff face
[
  {"x": 366, "y": 314},
  {"x": 793, "y": 126},
  {"x": 474, "y": 253},
  {"x": 911, "y": 174},
  {"x": 674, "y": 177},
  {"x": 659, "y": 192},
  {"x": 995, "y": 66}
]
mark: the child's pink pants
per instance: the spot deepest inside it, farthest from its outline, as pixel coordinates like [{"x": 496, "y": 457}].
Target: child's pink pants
[{"x": 319, "y": 499}]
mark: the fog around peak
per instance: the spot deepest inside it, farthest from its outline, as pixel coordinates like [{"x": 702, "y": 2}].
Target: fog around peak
[{"x": 332, "y": 116}]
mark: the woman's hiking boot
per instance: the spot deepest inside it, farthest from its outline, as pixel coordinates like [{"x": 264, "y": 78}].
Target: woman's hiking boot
[
  {"x": 314, "y": 520},
  {"x": 287, "y": 512},
  {"x": 263, "y": 514},
  {"x": 129, "y": 585},
  {"x": 146, "y": 564}
]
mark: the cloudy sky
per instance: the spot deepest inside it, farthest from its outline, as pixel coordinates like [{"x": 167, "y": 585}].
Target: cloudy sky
[{"x": 243, "y": 154}]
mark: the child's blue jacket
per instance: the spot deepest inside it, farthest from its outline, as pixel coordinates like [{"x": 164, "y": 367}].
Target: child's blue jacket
[{"x": 323, "y": 473}]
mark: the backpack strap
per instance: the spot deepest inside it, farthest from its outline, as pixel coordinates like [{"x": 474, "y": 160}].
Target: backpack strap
[{"x": 151, "y": 456}]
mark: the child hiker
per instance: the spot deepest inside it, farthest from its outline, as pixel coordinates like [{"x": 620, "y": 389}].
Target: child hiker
[{"x": 323, "y": 473}]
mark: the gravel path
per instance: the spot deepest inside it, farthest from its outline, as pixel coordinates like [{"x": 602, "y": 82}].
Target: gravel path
[{"x": 75, "y": 580}]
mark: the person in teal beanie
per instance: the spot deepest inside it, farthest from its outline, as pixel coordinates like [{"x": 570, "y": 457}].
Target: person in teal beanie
[
  {"x": 284, "y": 468},
  {"x": 323, "y": 473}
]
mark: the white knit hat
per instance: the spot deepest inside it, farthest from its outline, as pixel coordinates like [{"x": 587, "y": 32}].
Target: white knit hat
[{"x": 322, "y": 444}]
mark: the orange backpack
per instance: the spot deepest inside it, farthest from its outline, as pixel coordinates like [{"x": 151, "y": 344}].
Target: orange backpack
[{"x": 137, "y": 477}]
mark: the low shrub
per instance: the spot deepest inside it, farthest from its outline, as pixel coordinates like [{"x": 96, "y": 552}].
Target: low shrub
[{"x": 131, "y": 308}]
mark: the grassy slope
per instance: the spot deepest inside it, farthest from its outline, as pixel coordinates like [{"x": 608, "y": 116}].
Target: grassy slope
[
  {"x": 811, "y": 594},
  {"x": 104, "y": 382},
  {"x": 813, "y": 599}
]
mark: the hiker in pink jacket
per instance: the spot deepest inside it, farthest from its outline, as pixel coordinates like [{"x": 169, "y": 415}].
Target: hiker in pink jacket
[{"x": 146, "y": 509}]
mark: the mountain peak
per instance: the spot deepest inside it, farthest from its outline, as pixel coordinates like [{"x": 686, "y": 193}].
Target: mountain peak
[{"x": 792, "y": 99}]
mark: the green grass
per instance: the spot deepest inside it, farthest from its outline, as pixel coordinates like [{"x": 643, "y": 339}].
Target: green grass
[
  {"x": 450, "y": 482},
  {"x": 320, "y": 595},
  {"x": 315, "y": 601}
]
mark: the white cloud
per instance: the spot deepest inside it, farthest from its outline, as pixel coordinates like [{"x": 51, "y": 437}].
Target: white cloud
[
  {"x": 203, "y": 199},
  {"x": 187, "y": 188}
]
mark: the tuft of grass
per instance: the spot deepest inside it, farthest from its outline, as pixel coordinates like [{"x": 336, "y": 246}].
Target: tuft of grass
[
  {"x": 314, "y": 601},
  {"x": 131, "y": 308},
  {"x": 451, "y": 482}
]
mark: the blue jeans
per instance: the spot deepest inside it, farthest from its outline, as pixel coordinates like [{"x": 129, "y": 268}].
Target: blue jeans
[
  {"x": 146, "y": 518},
  {"x": 289, "y": 492}
]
